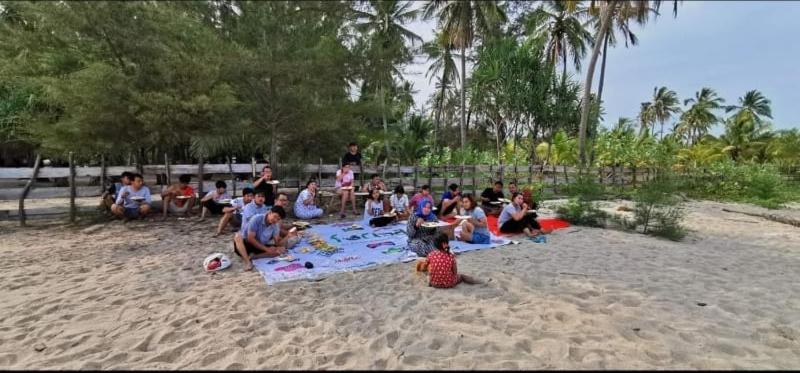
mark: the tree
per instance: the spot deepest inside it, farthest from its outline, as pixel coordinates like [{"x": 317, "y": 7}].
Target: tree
[
  {"x": 440, "y": 52},
  {"x": 605, "y": 10},
  {"x": 752, "y": 107},
  {"x": 564, "y": 32},
  {"x": 697, "y": 120},
  {"x": 464, "y": 21},
  {"x": 662, "y": 107}
]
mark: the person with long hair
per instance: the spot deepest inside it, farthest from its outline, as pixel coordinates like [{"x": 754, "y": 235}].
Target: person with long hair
[
  {"x": 373, "y": 210},
  {"x": 345, "y": 188},
  {"x": 442, "y": 268},
  {"x": 475, "y": 229},
  {"x": 306, "y": 207},
  {"x": 516, "y": 218}
]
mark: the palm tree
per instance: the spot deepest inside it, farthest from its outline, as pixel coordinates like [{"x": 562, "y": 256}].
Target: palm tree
[
  {"x": 752, "y": 106},
  {"x": 605, "y": 10},
  {"x": 745, "y": 137},
  {"x": 565, "y": 34},
  {"x": 664, "y": 105},
  {"x": 385, "y": 27},
  {"x": 463, "y": 21},
  {"x": 440, "y": 51},
  {"x": 645, "y": 118},
  {"x": 698, "y": 119},
  {"x": 623, "y": 125}
]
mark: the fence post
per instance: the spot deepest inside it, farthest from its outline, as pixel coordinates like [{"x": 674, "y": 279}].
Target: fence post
[
  {"x": 430, "y": 178},
  {"x": 530, "y": 174},
  {"x": 200, "y": 176},
  {"x": 230, "y": 170},
  {"x": 491, "y": 174},
  {"x": 502, "y": 171},
  {"x": 253, "y": 166},
  {"x": 474, "y": 186},
  {"x": 27, "y": 190},
  {"x": 634, "y": 176},
  {"x": 319, "y": 172},
  {"x": 166, "y": 168},
  {"x": 415, "y": 178},
  {"x": 444, "y": 179},
  {"x": 461, "y": 177},
  {"x": 555, "y": 178},
  {"x": 102, "y": 173},
  {"x": 72, "y": 209}
]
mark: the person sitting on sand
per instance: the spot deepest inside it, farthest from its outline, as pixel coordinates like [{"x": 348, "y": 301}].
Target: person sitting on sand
[
  {"x": 515, "y": 218},
  {"x": 490, "y": 195},
  {"x": 420, "y": 239},
  {"x": 109, "y": 197},
  {"x": 261, "y": 237},
  {"x": 424, "y": 194},
  {"x": 133, "y": 201},
  {"x": 264, "y": 184},
  {"x": 233, "y": 214},
  {"x": 178, "y": 198},
  {"x": 345, "y": 188},
  {"x": 442, "y": 269},
  {"x": 375, "y": 183},
  {"x": 450, "y": 200},
  {"x": 399, "y": 203},
  {"x": 253, "y": 208},
  {"x": 305, "y": 207},
  {"x": 211, "y": 201},
  {"x": 288, "y": 232},
  {"x": 475, "y": 229},
  {"x": 373, "y": 210}
]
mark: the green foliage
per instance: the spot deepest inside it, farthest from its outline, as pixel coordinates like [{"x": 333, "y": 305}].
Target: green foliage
[
  {"x": 658, "y": 208},
  {"x": 760, "y": 184},
  {"x": 581, "y": 209}
]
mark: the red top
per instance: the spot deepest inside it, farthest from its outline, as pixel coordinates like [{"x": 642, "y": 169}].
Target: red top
[
  {"x": 187, "y": 191},
  {"x": 442, "y": 269}
]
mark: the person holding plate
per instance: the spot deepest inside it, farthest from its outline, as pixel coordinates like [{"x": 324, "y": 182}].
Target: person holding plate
[
  {"x": 265, "y": 184},
  {"x": 344, "y": 187},
  {"x": 373, "y": 210},
  {"x": 490, "y": 198},
  {"x": 516, "y": 218},
  {"x": 399, "y": 203},
  {"x": 450, "y": 200},
  {"x": 233, "y": 214},
  {"x": 305, "y": 207},
  {"x": 475, "y": 228},
  {"x": 133, "y": 201},
  {"x": 211, "y": 202},
  {"x": 178, "y": 198},
  {"x": 420, "y": 235}
]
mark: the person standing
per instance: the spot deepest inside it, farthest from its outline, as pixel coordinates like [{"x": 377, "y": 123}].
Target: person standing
[
  {"x": 265, "y": 185},
  {"x": 353, "y": 156}
]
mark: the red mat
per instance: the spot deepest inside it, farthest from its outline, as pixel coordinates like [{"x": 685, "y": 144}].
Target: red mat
[{"x": 546, "y": 223}]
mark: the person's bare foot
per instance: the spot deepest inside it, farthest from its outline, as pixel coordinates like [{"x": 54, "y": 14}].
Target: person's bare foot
[
  {"x": 531, "y": 233},
  {"x": 216, "y": 234},
  {"x": 248, "y": 266}
]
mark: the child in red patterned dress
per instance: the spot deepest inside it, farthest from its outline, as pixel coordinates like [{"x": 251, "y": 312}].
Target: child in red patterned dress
[{"x": 442, "y": 266}]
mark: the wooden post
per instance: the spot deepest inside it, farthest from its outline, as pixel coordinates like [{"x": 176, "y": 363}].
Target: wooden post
[
  {"x": 201, "y": 176},
  {"x": 502, "y": 172},
  {"x": 516, "y": 177},
  {"x": 430, "y": 178},
  {"x": 461, "y": 177},
  {"x": 566, "y": 177},
  {"x": 444, "y": 179},
  {"x": 474, "y": 184},
  {"x": 230, "y": 170},
  {"x": 319, "y": 173},
  {"x": 72, "y": 210},
  {"x": 166, "y": 169},
  {"x": 491, "y": 174},
  {"x": 530, "y": 174},
  {"x": 27, "y": 190},
  {"x": 555, "y": 178},
  {"x": 399, "y": 174},
  {"x": 634, "y": 176},
  {"x": 103, "y": 173},
  {"x": 253, "y": 166}
]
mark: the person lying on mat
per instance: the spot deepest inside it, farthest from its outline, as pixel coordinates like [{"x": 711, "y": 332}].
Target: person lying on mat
[
  {"x": 133, "y": 201},
  {"x": 450, "y": 199},
  {"x": 233, "y": 214},
  {"x": 420, "y": 239},
  {"x": 424, "y": 194},
  {"x": 516, "y": 218},
  {"x": 306, "y": 207},
  {"x": 442, "y": 268},
  {"x": 261, "y": 237},
  {"x": 476, "y": 228},
  {"x": 211, "y": 201},
  {"x": 399, "y": 203},
  {"x": 290, "y": 235},
  {"x": 178, "y": 198},
  {"x": 373, "y": 210},
  {"x": 490, "y": 195}
]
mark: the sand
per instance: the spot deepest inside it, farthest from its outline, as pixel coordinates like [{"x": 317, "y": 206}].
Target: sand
[{"x": 134, "y": 296}]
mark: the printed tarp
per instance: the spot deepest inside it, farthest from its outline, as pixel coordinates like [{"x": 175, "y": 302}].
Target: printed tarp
[{"x": 358, "y": 246}]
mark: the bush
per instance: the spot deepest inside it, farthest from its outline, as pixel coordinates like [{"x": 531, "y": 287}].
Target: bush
[
  {"x": 760, "y": 184},
  {"x": 658, "y": 208},
  {"x": 581, "y": 209}
]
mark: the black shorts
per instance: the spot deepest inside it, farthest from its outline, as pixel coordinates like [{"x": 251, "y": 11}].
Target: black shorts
[
  {"x": 236, "y": 220},
  {"x": 214, "y": 207},
  {"x": 251, "y": 250},
  {"x": 381, "y": 221}
]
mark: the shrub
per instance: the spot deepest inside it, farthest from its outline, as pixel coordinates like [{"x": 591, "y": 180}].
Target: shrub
[
  {"x": 658, "y": 208},
  {"x": 581, "y": 209},
  {"x": 759, "y": 184}
]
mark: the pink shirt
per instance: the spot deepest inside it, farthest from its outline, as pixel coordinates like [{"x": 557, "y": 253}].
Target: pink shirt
[{"x": 347, "y": 180}]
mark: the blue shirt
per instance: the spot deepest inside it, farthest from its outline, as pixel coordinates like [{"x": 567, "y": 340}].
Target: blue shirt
[
  {"x": 265, "y": 233},
  {"x": 478, "y": 214},
  {"x": 448, "y": 195},
  {"x": 238, "y": 204},
  {"x": 506, "y": 214},
  {"x": 128, "y": 202},
  {"x": 249, "y": 211}
]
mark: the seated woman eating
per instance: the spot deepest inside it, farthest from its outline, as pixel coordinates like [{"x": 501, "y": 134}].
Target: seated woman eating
[
  {"x": 475, "y": 229},
  {"x": 420, "y": 239},
  {"x": 345, "y": 188},
  {"x": 306, "y": 207},
  {"x": 515, "y": 218}
]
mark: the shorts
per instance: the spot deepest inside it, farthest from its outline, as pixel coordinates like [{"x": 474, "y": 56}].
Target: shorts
[
  {"x": 174, "y": 209},
  {"x": 480, "y": 238},
  {"x": 214, "y": 207},
  {"x": 131, "y": 212},
  {"x": 251, "y": 250},
  {"x": 236, "y": 220}
]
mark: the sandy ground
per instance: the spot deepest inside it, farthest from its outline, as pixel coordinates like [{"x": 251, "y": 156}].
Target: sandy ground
[{"x": 134, "y": 296}]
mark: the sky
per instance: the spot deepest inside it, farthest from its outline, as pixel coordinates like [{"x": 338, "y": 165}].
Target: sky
[{"x": 730, "y": 46}]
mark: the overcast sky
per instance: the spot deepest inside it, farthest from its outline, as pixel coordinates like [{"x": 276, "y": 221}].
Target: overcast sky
[{"x": 730, "y": 46}]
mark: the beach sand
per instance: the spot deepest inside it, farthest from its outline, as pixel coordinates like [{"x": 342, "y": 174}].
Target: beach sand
[{"x": 134, "y": 296}]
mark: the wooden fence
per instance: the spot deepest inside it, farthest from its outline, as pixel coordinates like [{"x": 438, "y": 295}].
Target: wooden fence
[{"x": 90, "y": 181}]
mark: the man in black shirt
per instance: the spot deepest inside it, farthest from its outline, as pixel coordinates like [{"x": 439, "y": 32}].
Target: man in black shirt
[
  {"x": 492, "y": 195},
  {"x": 264, "y": 184},
  {"x": 352, "y": 157}
]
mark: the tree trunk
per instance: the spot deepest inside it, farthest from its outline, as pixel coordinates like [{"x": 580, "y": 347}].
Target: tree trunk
[
  {"x": 385, "y": 124},
  {"x": 27, "y": 189},
  {"x": 463, "y": 97},
  {"x": 603, "y": 69},
  {"x": 587, "y": 87}
]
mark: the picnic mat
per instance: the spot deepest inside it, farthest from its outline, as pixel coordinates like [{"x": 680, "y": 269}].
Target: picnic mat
[
  {"x": 546, "y": 223},
  {"x": 357, "y": 246}
]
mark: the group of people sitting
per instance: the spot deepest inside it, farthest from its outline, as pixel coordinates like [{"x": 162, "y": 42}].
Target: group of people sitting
[{"x": 257, "y": 216}]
